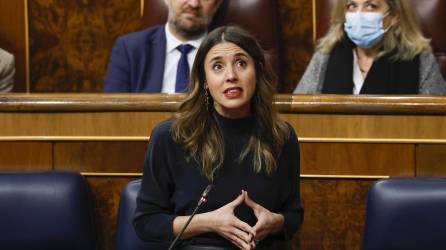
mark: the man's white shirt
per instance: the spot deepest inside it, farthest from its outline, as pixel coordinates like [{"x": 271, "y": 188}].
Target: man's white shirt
[{"x": 173, "y": 56}]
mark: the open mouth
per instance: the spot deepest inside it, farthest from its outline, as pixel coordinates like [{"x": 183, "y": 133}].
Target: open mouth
[{"x": 233, "y": 92}]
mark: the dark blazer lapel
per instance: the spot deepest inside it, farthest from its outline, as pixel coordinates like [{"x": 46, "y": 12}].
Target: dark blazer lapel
[{"x": 156, "y": 54}]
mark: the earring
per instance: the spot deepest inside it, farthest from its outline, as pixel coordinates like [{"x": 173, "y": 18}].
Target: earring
[{"x": 206, "y": 96}]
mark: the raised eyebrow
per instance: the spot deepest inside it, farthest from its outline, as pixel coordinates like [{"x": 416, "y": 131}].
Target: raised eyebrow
[
  {"x": 216, "y": 58},
  {"x": 241, "y": 54},
  {"x": 219, "y": 58}
]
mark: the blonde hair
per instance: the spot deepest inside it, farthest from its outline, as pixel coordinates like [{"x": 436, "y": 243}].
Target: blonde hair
[
  {"x": 195, "y": 128},
  {"x": 405, "y": 37}
]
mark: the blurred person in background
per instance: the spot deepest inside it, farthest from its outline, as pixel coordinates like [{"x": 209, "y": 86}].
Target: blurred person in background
[
  {"x": 158, "y": 59},
  {"x": 373, "y": 47}
]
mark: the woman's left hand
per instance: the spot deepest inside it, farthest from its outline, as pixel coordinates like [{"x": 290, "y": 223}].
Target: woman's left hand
[{"x": 267, "y": 222}]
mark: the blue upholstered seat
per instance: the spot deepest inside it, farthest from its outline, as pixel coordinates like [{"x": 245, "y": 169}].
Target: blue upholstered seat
[
  {"x": 45, "y": 210},
  {"x": 126, "y": 238},
  {"x": 406, "y": 213}
]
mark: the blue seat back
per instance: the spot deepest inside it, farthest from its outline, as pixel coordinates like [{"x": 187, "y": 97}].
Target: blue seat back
[
  {"x": 406, "y": 213},
  {"x": 45, "y": 210},
  {"x": 126, "y": 238}
]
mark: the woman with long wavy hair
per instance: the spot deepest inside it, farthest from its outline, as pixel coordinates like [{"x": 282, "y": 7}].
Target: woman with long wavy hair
[{"x": 227, "y": 133}]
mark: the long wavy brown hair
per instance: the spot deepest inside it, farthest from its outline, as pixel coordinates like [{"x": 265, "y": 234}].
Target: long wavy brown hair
[{"x": 195, "y": 127}]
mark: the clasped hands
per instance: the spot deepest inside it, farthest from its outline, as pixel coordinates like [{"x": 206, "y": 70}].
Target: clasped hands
[{"x": 226, "y": 224}]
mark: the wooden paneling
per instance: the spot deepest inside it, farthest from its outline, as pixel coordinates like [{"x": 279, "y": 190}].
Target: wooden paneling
[
  {"x": 334, "y": 214},
  {"x": 296, "y": 34},
  {"x": 106, "y": 193},
  {"x": 71, "y": 41},
  {"x": 357, "y": 159},
  {"x": 362, "y": 104},
  {"x": 80, "y": 124},
  {"x": 368, "y": 126},
  {"x": 431, "y": 160},
  {"x": 322, "y": 117},
  {"x": 114, "y": 157},
  {"x": 13, "y": 38},
  {"x": 323, "y": 15},
  {"x": 19, "y": 156},
  {"x": 141, "y": 123}
]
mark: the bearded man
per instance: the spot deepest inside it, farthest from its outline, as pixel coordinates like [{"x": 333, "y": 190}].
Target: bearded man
[{"x": 158, "y": 59}]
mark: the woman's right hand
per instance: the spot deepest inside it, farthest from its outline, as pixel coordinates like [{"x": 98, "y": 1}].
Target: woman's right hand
[{"x": 225, "y": 223}]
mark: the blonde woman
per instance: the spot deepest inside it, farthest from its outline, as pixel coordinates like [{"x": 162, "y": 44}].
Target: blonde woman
[
  {"x": 373, "y": 47},
  {"x": 227, "y": 133}
]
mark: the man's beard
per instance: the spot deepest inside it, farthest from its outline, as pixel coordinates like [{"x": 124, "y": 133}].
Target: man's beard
[{"x": 190, "y": 33}]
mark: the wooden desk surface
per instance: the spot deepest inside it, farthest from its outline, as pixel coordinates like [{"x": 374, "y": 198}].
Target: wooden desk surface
[{"x": 326, "y": 104}]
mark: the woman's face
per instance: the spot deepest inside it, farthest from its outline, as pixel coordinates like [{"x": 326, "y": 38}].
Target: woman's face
[
  {"x": 231, "y": 79},
  {"x": 373, "y": 6}
]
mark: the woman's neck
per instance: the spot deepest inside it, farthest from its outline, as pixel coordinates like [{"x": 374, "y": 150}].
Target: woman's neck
[
  {"x": 370, "y": 53},
  {"x": 366, "y": 58},
  {"x": 233, "y": 113}
]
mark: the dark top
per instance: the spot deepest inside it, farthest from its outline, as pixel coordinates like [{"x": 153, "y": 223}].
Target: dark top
[
  {"x": 171, "y": 186},
  {"x": 386, "y": 76},
  {"x": 137, "y": 62}
]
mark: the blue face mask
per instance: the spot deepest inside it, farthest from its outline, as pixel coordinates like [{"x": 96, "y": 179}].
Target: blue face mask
[{"x": 365, "y": 29}]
